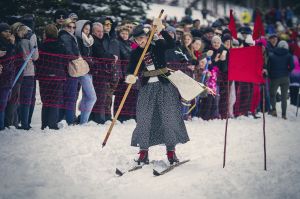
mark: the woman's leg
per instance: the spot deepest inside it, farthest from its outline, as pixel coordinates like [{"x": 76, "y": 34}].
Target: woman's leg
[
  {"x": 284, "y": 86},
  {"x": 88, "y": 97},
  {"x": 273, "y": 90},
  {"x": 27, "y": 89},
  {"x": 70, "y": 99},
  {"x": 4, "y": 94}
]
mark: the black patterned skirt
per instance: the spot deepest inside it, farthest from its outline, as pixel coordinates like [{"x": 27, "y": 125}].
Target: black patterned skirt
[{"x": 159, "y": 118}]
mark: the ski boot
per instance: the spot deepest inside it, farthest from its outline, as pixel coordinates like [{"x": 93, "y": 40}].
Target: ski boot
[
  {"x": 143, "y": 158},
  {"x": 172, "y": 157}
]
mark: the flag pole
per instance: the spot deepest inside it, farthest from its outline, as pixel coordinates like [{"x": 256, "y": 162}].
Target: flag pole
[
  {"x": 264, "y": 129},
  {"x": 297, "y": 104},
  {"x": 130, "y": 85},
  {"x": 226, "y": 126}
]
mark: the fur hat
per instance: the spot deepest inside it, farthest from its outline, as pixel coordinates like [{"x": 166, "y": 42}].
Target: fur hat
[{"x": 51, "y": 31}]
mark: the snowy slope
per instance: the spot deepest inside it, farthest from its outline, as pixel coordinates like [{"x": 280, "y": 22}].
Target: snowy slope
[
  {"x": 70, "y": 163},
  {"x": 176, "y": 11}
]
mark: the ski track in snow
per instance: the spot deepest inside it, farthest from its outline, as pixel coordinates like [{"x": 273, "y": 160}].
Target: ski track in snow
[{"x": 70, "y": 163}]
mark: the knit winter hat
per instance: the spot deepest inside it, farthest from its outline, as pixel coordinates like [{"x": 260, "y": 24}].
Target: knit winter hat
[
  {"x": 4, "y": 27},
  {"x": 261, "y": 41},
  {"x": 73, "y": 16},
  {"x": 60, "y": 13},
  {"x": 171, "y": 29},
  {"x": 283, "y": 44},
  {"x": 51, "y": 31},
  {"x": 226, "y": 37},
  {"x": 216, "y": 38}
]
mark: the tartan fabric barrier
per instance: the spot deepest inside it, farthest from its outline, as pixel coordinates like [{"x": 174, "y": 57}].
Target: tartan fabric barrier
[{"x": 108, "y": 80}]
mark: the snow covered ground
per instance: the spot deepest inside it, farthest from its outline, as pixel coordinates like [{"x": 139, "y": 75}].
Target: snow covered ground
[{"x": 70, "y": 163}]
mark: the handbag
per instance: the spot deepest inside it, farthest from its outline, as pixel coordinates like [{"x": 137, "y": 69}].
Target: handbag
[{"x": 78, "y": 67}]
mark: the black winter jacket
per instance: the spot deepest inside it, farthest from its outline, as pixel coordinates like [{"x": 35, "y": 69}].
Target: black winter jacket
[
  {"x": 280, "y": 63},
  {"x": 125, "y": 50},
  {"x": 157, "y": 51},
  {"x": 7, "y": 61},
  {"x": 51, "y": 65},
  {"x": 102, "y": 59},
  {"x": 222, "y": 65},
  {"x": 69, "y": 42}
]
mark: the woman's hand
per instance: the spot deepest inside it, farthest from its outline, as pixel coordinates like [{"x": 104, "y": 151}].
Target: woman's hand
[
  {"x": 210, "y": 91},
  {"x": 159, "y": 26},
  {"x": 131, "y": 79}
]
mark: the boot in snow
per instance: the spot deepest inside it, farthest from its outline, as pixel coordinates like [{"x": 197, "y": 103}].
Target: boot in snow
[
  {"x": 172, "y": 157},
  {"x": 143, "y": 158}
]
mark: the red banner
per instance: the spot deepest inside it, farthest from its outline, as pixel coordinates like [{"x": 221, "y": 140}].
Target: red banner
[
  {"x": 258, "y": 29},
  {"x": 231, "y": 25},
  {"x": 246, "y": 64}
]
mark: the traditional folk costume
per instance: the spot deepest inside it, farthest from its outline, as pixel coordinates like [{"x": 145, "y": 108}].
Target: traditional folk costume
[{"x": 159, "y": 118}]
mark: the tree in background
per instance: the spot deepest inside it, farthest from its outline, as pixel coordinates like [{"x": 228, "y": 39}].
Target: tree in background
[{"x": 85, "y": 9}]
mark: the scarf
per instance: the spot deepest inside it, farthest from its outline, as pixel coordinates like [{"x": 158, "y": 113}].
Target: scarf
[{"x": 88, "y": 41}]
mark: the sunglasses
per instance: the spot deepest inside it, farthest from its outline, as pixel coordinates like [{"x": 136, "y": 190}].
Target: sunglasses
[
  {"x": 217, "y": 33},
  {"x": 74, "y": 27}
]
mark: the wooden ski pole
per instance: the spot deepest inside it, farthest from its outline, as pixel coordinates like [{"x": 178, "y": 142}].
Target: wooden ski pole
[{"x": 130, "y": 85}]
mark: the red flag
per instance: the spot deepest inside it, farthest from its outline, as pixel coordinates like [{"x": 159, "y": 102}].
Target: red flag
[
  {"x": 246, "y": 64},
  {"x": 259, "y": 29},
  {"x": 231, "y": 25}
]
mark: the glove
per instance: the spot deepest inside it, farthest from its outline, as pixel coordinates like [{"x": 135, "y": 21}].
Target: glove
[
  {"x": 159, "y": 26},
  {"x": 131, "y": 79}
]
